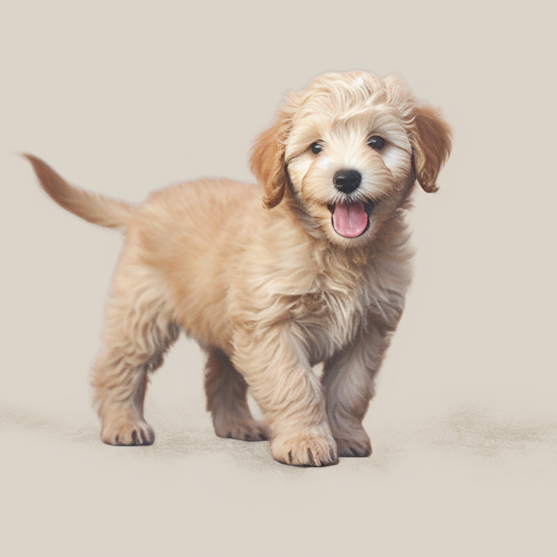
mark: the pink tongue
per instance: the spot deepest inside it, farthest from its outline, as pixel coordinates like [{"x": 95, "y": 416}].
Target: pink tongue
[{"x": 349, "y": 219}]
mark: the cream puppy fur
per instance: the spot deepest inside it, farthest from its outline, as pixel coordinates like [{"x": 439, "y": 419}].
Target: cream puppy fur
[{"x": 311, "y": 265}]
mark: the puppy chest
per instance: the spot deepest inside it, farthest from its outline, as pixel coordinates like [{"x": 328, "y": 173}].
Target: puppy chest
[{"x": 326, "y": 322}]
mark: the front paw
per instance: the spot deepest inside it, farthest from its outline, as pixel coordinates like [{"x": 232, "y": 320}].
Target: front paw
[
  {"x": 353, "y": 443},
  {"x": 315, "y": 448}
]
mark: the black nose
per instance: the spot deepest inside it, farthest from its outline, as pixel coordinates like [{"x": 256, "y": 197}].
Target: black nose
[{"x": 347, "y": 181}]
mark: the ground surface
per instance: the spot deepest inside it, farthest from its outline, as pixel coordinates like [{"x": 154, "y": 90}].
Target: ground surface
[{"x": 456, "y": 483}]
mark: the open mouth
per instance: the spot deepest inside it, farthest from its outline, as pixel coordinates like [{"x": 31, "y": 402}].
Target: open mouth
[{"x": 351, "y": 218}]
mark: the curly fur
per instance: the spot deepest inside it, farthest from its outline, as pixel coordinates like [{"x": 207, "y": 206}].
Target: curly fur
[{"x": 261, "y": 278}]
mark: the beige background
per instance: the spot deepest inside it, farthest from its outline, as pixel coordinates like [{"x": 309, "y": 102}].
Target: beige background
[{"x": 126, "y": 97}]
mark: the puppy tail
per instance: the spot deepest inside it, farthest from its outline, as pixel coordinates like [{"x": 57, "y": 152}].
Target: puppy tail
[{"x": 92, "y": 207}]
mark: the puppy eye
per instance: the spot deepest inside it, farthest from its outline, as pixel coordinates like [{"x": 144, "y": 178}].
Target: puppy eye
[
  {"x": 316, "y": 148},
  {"x": 376, "y": 142}
]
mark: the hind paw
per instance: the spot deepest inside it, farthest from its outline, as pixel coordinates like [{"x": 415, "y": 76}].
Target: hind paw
[{"x": 128, "y": 434}]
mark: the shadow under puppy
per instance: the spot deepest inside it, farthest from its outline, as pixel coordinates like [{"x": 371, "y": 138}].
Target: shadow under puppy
[{"x": 311, "y": 265}]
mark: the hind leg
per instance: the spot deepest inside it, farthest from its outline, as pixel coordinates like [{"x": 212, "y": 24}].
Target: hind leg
[
  {"x": 227, "y": 400},
  {"x": 137, "y": 333}
]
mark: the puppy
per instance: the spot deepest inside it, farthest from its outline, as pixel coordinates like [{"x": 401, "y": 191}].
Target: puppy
[{"x": 311, "y": 265}]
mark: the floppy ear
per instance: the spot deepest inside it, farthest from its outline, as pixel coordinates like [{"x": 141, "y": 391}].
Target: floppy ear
[
  {"x": 431, "y": 142},
  {"x": 267, "y": 160}
]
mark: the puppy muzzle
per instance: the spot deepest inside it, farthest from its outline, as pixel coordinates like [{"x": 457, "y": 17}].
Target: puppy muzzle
[{"x": 350, "y": 219}]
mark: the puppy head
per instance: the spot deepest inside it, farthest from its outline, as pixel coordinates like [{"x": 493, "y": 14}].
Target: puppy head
[{"x": 347, "y": 151}]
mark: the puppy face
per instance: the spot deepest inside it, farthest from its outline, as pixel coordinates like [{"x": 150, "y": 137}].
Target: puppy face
[{"x": 348, "y": 149}]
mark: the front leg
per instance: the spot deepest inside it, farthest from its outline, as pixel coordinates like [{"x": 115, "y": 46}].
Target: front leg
[
  {"x": 348, "y": 381},
  {"x": 289, "y": 395}
]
